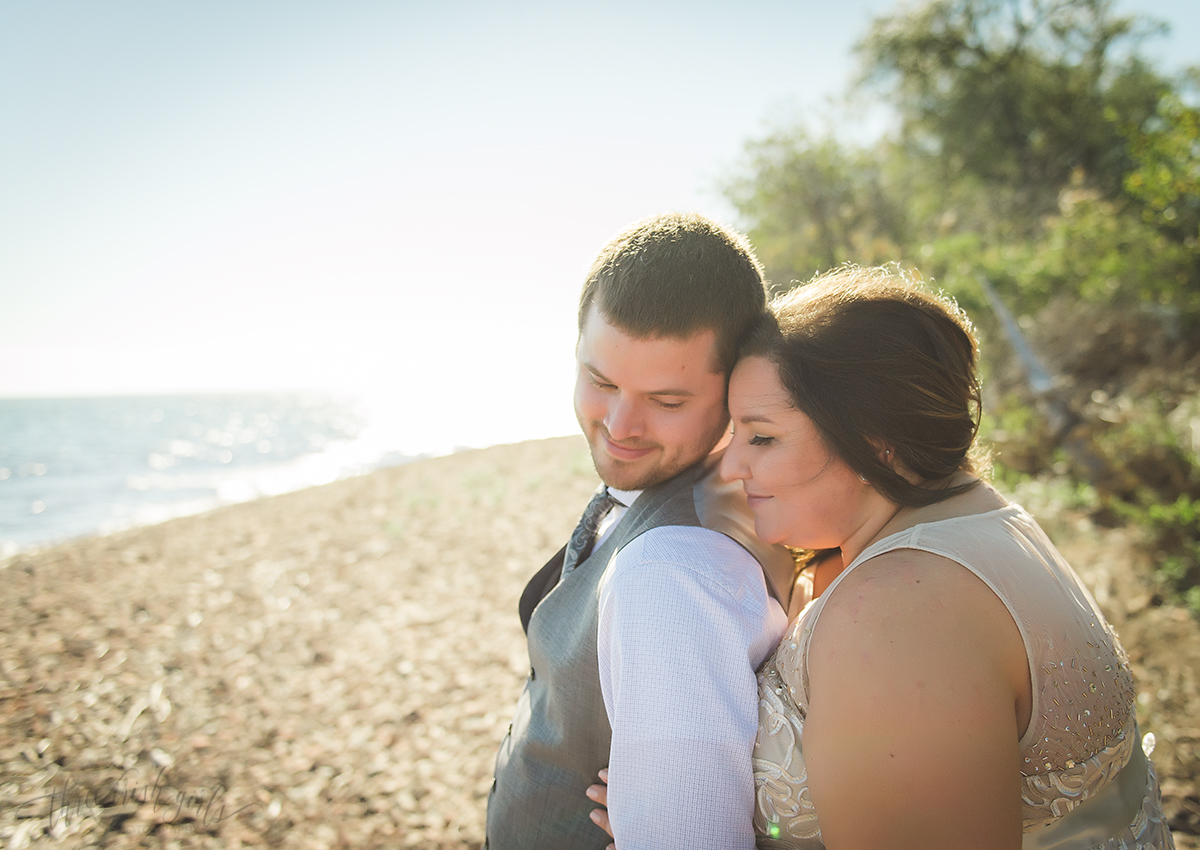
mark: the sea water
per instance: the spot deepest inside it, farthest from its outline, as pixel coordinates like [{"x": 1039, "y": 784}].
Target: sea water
[{"x": 72, "y": 468}]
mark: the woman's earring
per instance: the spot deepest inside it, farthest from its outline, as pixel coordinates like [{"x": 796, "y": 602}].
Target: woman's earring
[{"x": 862, "y": 478}]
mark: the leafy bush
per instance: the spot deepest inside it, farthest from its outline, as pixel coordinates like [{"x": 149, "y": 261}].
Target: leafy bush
[
  {"x": 1173, "y": 531},
  {"x": 1038, "y": 148},
  {"x": 1155, "y": 484}
]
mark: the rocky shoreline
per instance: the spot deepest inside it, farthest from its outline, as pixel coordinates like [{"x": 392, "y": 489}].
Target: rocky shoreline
[{"x": 336, "y": 667}]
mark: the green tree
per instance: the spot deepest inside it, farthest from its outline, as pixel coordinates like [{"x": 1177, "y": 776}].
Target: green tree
[
  {"x": 1017, "y": 95},
  {"x": 816, "y": 204},
  {"x": 1166, "y": 153}
]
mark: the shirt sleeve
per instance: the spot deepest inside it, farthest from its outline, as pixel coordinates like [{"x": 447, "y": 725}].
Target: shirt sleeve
[{"x": 685, "y": 619}]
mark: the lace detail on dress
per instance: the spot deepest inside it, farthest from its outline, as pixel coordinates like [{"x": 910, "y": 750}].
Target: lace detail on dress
[
  {"x": 783, "y": 812},
  {"x": 1048, "y": 796},
  {"x": 1149, "y": 830},
  {"x": 1084, "y": 701}
]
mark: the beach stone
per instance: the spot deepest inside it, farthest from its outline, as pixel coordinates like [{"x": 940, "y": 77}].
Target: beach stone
[{"x": 336, "y": 667}]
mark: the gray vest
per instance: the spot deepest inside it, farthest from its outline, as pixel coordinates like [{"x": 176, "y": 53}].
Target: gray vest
[{"x": 560, "y": 736}]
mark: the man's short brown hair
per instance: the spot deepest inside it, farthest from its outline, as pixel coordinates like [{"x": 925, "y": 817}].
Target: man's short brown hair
[{"x": 675, "y": 275}]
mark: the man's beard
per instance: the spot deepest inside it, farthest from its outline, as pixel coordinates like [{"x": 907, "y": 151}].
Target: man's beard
[{"x": 637, "y": 475}]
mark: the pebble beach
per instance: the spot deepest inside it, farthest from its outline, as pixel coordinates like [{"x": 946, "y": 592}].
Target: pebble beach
[{"x": 335, "y": 667}]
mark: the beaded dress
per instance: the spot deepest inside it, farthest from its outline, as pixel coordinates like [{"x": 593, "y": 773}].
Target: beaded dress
[{"x": 1086, "y": 781}]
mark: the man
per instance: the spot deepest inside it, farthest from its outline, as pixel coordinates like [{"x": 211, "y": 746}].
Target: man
[{"x": 645, "y": 631}]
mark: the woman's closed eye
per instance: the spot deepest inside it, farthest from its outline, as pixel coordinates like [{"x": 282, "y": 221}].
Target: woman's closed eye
[{"x": 760, "y": 440}]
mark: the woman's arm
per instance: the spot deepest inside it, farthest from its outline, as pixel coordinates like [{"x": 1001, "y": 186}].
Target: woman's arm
[{"x": 918, "y": 683}]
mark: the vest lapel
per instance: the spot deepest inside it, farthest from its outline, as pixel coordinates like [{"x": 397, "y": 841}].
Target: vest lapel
[{"x": 542, "y": 583}]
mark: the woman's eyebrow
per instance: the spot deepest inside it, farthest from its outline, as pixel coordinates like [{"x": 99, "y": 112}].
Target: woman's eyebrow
[{"x": 752, "y": 418}]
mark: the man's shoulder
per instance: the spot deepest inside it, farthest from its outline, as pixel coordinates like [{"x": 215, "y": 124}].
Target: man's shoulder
[
  {"x": 687, "y": 545},
  {"x": 684, "y": 498},
  {"x": 699, "y": 519},
  {"x": 684, "y": 559},
  {"x": 670, "y": 502}
]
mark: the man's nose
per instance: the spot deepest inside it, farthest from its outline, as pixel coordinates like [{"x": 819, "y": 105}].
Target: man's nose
[{"x": 624, "y": 418}]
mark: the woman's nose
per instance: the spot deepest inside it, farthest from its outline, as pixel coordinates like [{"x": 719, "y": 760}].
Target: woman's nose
[{"x": 732, "y": 468}]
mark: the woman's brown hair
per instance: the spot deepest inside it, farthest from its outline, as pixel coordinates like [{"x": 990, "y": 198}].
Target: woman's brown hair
[{"x": 878, "y": 363}]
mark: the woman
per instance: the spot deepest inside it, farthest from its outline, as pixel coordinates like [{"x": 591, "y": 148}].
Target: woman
[{"x": 952, "y": 684}]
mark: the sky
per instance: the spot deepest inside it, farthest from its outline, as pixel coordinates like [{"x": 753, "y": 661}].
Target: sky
[{"x": 395, "y": 201}]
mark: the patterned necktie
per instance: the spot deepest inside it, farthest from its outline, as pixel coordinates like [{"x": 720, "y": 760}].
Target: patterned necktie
[{"x": 584, "y": 536}]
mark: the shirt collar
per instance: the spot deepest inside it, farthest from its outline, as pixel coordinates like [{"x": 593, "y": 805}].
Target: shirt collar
[{"x": 625, "y": 497}]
